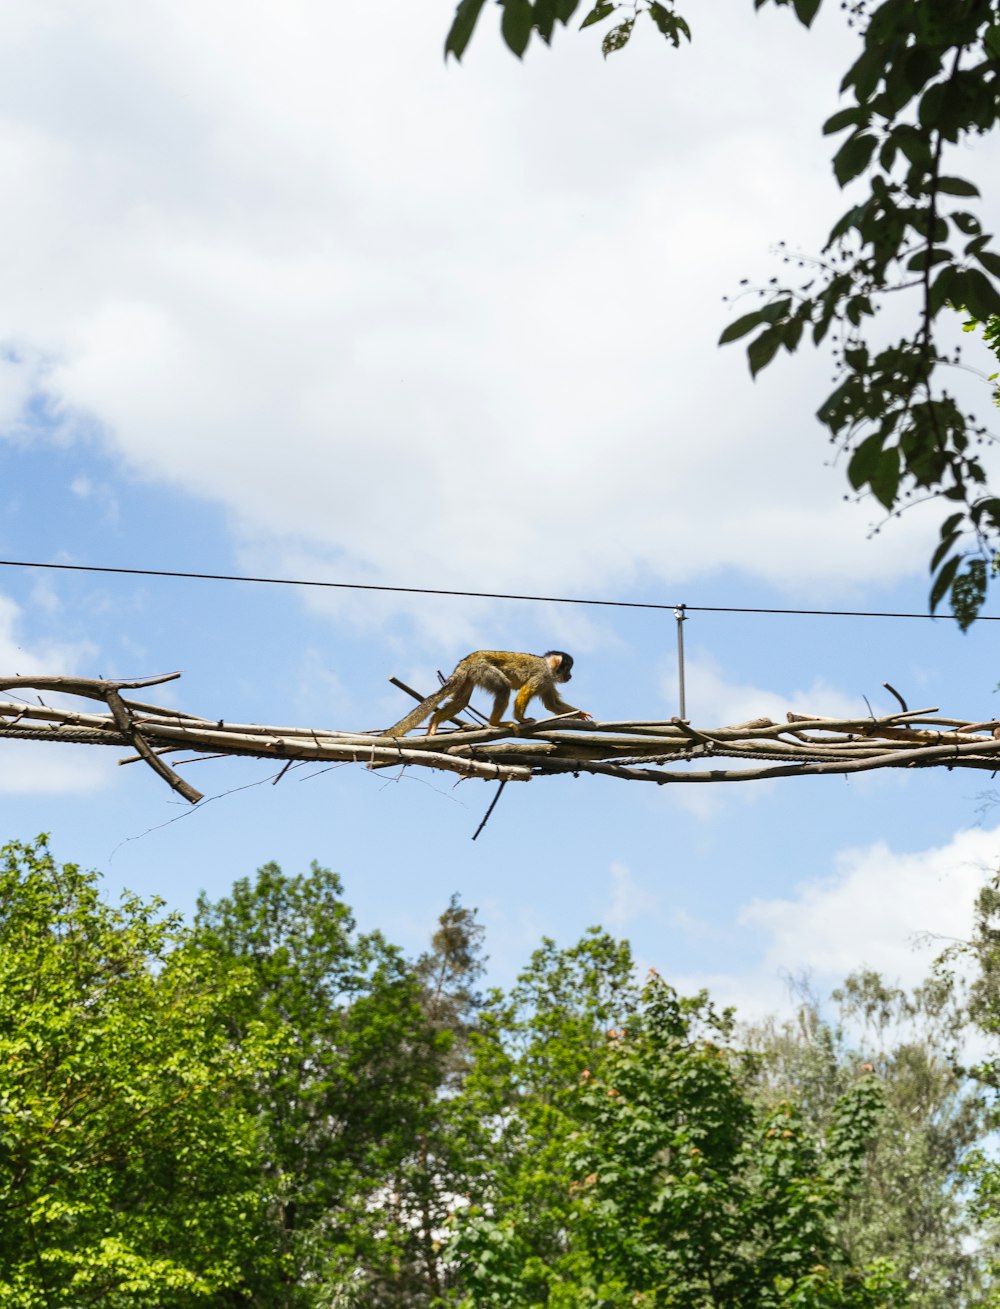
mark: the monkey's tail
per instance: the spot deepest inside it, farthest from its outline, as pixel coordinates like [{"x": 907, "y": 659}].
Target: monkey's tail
[{"x": 421, "y": 711}]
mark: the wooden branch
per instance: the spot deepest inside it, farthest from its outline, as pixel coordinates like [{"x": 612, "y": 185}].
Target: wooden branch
[
  {"x": 126, "y": 725},
  {"x": 93, "y": 688},
  {"x": 639, "y": 750}
]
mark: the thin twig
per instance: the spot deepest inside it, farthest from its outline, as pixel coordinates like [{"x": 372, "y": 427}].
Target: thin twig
[
  {"x": 493, "y": 805},
  {"x": 892, "y": 691}
]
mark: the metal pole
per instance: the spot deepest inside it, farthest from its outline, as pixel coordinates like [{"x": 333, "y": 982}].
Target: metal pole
[{"x": 681, "y": 619}]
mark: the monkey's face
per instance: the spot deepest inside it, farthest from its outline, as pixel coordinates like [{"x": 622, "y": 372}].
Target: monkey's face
[{"x": 561, "y": 672}]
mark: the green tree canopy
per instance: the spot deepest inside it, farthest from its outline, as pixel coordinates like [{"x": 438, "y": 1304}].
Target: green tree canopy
[
  {"x": 624, "y": 1164},
  {"x": 348, "y": 1094},
  {"x": 272, "y": 1109},
  {"x": 913, "y": 1202},
  {"x": 127, "y": 1165}
]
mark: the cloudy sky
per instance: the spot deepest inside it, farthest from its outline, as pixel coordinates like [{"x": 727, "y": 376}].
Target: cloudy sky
[{"x": 283, "y": 294}]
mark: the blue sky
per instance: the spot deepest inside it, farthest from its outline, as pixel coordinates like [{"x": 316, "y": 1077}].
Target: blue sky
[{"x": 280, "y": 302}]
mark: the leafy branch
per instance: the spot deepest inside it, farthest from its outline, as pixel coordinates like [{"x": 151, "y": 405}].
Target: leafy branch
[{"x": 926, "y": 81}]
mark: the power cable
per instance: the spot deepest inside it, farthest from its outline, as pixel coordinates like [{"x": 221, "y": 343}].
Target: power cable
[{"x": 482, "y": 595}]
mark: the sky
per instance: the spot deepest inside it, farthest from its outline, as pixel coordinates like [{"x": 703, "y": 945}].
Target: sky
[{"x": 284, "y": 294}]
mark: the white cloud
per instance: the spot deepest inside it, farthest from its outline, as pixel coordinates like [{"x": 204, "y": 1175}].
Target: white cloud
[
  {"x": 35, "y": 768},
  {"x": 423, "y": 323},
  {"x": 894, "y": 911},
  {"x": 85, "y": 488},
  {"x": 712, "y": 700},
  {"x": 17, "y": 659},
  {"x": 885, "y": 909},
  {"x": 629, "y": 899},
  {"x": 16, "y": 382},
  {"x": 30, "y": 767}
]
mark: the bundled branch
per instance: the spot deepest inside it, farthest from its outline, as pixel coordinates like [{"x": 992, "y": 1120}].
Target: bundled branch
[{"x": 660, "y": 752}]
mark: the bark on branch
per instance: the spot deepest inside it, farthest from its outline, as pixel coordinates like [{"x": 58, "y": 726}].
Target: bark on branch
[{"x": 805, "y": 745}]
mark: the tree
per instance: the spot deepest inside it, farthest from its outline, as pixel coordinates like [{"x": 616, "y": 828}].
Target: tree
[
  {"x": 913, "y": 1202},
  {"x": 991, "y": 335},
  {"x": 924, "y": 86},
  {"x": 982, "y": 952},
  {"x": 127, "y": 1173},
  {"x": 625, "y": 1165},
  {"x": 440, "y": 1164},
  {"x": 350, "y": 1088}
]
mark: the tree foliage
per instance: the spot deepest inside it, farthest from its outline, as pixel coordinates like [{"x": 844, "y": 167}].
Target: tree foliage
[
  {"x": 350, "y": 1088},
  {"x": 925, "y": 85},
  {"x": 912, "y": 1206},
  {"x": 271, "y": 1109},
  {"x": 625, "y": 1165},
  {"x": 127, "y": 1166},
  {"x": 982, "y": 953}
]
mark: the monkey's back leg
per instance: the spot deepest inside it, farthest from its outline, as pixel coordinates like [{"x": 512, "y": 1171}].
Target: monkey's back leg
[{"x": 461, "y": 695}]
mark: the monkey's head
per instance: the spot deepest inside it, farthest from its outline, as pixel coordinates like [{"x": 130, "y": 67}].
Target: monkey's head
[{"x": 560, "y": 662}]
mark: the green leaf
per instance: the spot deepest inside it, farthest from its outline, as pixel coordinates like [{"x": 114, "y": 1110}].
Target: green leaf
[
  {"x": 853, "y": 156},
  {"x": 944, "y": 548},
  {"x": 852, "y": 218},
  {"x": 791, "y": 334},
  {"x": 617, "y": 38},
  {"x": 844, "y": 118},
  {"x": 978, "y": 243},
  {"x": 956, "y": 186},
  {"x": 545, "y": 19},
  {"x": 975, "y": 290},
  {"x": 924, "y": 258},
  {"x": 598, "y": 13},
  {"x": 990, "y": 261},
  {"x": 776, "y": 310},
  {"x": 968, "y": 591},
  {"x": 462, "y": 27},
  {"x": 550, "y": 12},
  {"x": 885, "y": 481},
  {"x": 945, "y": 287},
  {"x": 516, "y": 24},
  {"x": 864, "y": 461},
  {"x": 857, "y": 358},
  {"x": 919, "y": 66},
  {"x": 966, "y": 223},
  {"x": 670, "y": 24},
  {"x": 864, "y": 73},
  {"x": 943, "y": 581},
  {"x": 931, "y": 104},
  {"x": 914, "y": 145},
  {"x": 886, "y": 157},
  {"x": 806, "y": 10},
  {"x": 741, "y": 326},
  {"x": 988, "y": 508},
  {"x": 822, "y": 325},
  {"x": 763, "y": 348}
]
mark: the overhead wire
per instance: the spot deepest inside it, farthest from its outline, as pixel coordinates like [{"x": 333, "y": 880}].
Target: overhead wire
[{"x": 481, "y": 595}]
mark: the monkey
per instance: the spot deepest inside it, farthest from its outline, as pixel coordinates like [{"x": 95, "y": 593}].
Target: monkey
[{"x": 500, "y": 672}]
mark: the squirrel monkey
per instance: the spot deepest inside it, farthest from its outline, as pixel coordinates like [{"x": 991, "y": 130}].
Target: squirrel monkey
[{"x": 500, "y": 672}]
